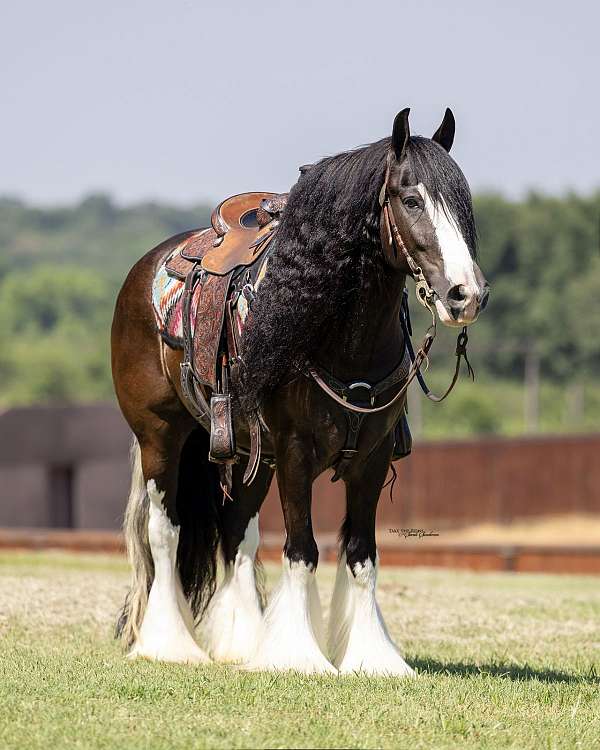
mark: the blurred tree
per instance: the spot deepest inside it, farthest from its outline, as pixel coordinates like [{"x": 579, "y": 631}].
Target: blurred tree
[
  {"x": 60, "y": 269},
  {"x": 54, "y": 324}
]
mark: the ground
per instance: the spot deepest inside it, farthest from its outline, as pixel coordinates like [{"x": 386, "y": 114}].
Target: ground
[{"x": 503, "y": 660}]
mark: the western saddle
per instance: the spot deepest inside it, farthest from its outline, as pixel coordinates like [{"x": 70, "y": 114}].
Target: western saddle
[{"x": 218, "y": 265}]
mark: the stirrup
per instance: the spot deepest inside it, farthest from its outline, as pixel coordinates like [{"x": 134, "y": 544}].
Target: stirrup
[{"x": 222, "y": 436}]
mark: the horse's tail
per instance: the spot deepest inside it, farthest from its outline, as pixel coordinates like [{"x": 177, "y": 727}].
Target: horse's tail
[
  {"x": 135, "y": 529},
  {"x": 198, "y": 492}
]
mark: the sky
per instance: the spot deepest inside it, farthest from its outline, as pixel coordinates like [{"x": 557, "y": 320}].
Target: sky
[{"x": 188, "y": 101}]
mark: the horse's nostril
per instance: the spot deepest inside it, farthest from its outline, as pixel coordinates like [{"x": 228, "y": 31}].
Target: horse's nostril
[{"x": 456, "y": 293}]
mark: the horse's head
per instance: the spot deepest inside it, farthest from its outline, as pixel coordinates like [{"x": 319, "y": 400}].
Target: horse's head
[{"x": 430, "y": 203}]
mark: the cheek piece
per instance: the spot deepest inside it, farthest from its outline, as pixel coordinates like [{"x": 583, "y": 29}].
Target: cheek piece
[{"x": 394, "y": 243}]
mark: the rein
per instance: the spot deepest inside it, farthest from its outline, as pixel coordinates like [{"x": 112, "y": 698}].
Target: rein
[{"x": 426, "y": 296}]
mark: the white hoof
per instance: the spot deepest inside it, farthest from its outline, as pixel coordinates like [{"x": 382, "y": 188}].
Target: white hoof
[
  {"x": 167, "y": 630},
  {"x": 229, "y": 629},
  {"x": 386, "y": 664},
  {"x": 232, "y": 623},
  {"x": 305, "y": 663}
]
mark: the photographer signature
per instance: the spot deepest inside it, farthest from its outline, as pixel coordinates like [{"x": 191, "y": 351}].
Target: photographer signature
[{"x": 418, "y": 533}]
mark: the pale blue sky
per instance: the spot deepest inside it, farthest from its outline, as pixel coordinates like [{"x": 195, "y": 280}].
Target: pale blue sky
[{"x": 185, "y": 100}]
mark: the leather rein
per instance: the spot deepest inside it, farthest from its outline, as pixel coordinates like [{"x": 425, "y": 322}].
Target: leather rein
[{"x": 426, "y": 296}]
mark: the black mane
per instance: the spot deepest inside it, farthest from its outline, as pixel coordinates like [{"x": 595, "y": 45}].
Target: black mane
[{"x": 327, "y": 255}]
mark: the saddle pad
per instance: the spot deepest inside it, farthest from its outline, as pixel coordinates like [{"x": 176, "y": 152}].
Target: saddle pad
[{"x": 167, "y": 303}]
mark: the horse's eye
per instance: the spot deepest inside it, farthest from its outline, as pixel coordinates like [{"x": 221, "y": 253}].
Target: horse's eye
[{"x": 411, "y": 203}]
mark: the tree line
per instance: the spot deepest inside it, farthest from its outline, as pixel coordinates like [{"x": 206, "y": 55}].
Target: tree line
[{"x": 60, "y": 270}]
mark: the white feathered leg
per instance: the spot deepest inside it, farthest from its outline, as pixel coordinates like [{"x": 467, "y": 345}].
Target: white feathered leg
[
  {"x": 230, "y": 628},
  {"x": 293, "y": 625},
  {"x": 358, "y": 638},
  {"x": 166, "y": 633}
]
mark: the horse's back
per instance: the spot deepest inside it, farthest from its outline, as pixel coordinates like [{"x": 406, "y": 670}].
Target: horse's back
[{"x": 138, "y": 371}]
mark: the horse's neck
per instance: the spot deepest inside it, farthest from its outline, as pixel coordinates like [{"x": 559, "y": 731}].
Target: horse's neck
[{"x": 367, "y": 342}]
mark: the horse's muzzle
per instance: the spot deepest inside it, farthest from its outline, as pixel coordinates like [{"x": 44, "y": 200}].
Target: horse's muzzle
[{"x": 464, "y": 305}]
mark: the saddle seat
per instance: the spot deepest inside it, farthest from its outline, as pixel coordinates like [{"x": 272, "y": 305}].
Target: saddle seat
[{"x": 242, "y": 228}]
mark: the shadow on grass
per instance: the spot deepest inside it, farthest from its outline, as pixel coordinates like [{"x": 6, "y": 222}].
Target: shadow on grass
[{"x": 500, "y": 669}]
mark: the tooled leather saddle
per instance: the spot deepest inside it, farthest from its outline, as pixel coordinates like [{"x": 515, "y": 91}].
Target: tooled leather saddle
[{"x": 218, "y": 265}]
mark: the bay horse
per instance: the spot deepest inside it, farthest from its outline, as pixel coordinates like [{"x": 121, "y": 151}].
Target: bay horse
[{"x": 330, "y": 302}]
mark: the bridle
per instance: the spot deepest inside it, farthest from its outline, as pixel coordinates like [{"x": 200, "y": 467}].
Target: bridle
[{"x": 392, "y": 244}]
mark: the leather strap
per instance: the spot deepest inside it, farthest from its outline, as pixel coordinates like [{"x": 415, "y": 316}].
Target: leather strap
[
  {"x": 197, "y": 403},
  {"x": 410, "y": 376}
]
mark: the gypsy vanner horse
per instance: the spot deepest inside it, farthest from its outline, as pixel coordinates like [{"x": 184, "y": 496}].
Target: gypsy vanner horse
[{"x": 330, "y": 299}]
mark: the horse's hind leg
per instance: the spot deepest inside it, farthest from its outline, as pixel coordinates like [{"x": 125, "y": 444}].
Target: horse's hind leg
[
  {"x": 231, "y": 625},
  {"x": 358, "y": 638},
  {"x": 160, "y": 626}
]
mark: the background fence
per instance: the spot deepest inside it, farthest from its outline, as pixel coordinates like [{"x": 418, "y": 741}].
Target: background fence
[{"x": 67, "y": 467}]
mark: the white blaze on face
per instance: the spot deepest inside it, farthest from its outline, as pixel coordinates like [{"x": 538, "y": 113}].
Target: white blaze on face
[{"x": 458, "y": 263}]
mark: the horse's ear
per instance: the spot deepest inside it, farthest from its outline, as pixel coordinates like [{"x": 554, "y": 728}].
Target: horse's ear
[
  {"x": 401, "y": 133},
  {"x": 444, "y": 135}
]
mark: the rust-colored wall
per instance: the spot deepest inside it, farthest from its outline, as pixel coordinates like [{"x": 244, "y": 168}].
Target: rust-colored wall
[
  {"x": 451, "y": 484},
  {"x": 441, "y": 485},
  {"x": 497, "y": 480}
]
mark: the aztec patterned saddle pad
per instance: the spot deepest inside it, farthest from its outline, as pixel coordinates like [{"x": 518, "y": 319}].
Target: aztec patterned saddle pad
[{"x": 167, "y": 302}]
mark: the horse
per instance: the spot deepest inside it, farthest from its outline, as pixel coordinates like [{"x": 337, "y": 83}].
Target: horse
[{"x": 356, "y": 225}]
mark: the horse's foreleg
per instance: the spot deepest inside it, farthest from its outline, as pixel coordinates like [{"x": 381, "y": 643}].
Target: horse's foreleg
[
  {"x": 230, "y": 627},
  {"x": 292, "y": 634},
  {"x": 166, "y": 632},
  {"x": 358, "y": 638}
]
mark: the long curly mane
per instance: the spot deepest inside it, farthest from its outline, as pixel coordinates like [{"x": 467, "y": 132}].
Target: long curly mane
[{"x": 327, "y": 255}]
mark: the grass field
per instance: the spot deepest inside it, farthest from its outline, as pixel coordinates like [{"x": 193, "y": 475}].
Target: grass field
[{"x": 504, "y": 661}]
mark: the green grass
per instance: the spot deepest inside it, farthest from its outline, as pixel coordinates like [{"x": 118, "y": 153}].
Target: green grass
[{"x": 504, "y": 661}]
